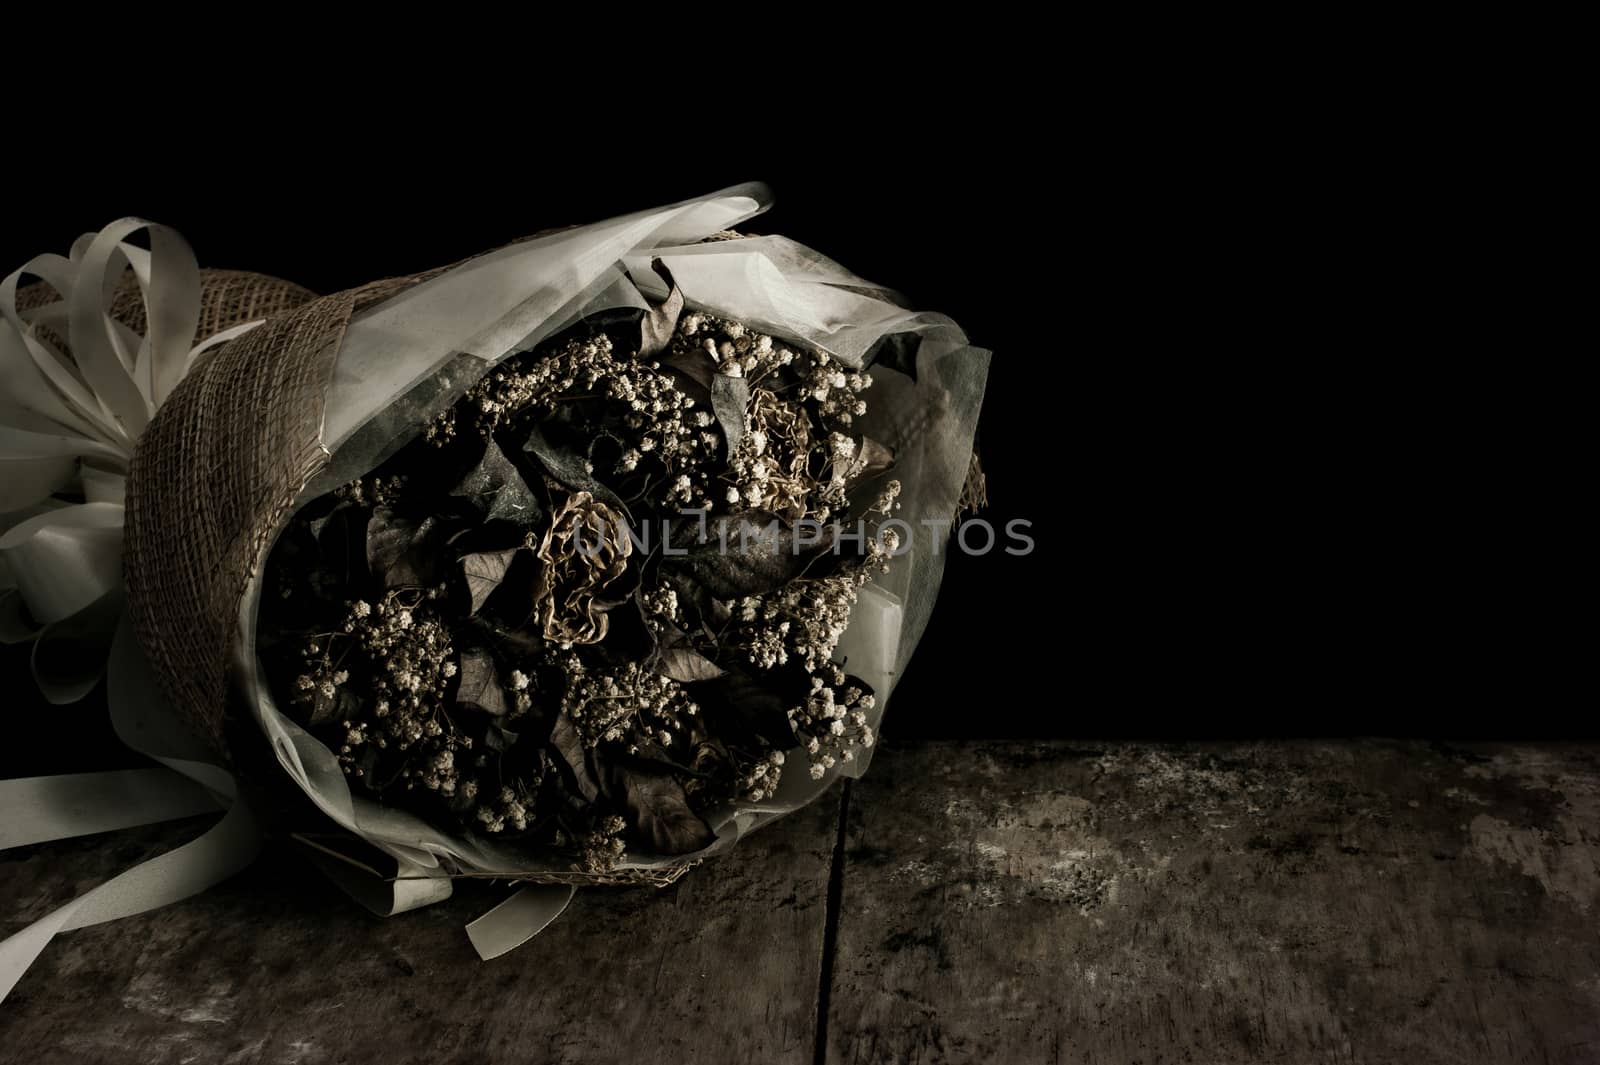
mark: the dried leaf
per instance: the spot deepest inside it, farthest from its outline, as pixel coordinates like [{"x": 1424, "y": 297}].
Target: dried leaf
[
  {"x": 569, "y": 745},
  {"x": 685, "y": 665},
  {"x": 497, "y": 738},
  {"x": 696, "y": 368},
  {"x": 483, "y": 573},
  {"x": 658, "y": 808},
  {"x": 872, "y": 459},
  {"x": 342, "y": 705},
  {"x": 757, "y": 553},
  {"x": 513, "y": 643},
  {"x": 897, "y": 351},
  {"x": 730, "y": 397},
  {"x": 401, "y": 552},
  {"x": 742, "y": 709},
  {"x": 341, "y": 535},
  {"x": 481, "y": 688},
  {"x": 496, "y": 488},
  {"x": 570, "y": 468},
  {"x": 659, "y": 323},
  {"x": 612, "y": 319}
]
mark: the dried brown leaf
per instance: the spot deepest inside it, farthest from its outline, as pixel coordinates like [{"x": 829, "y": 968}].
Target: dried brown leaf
[
  {"x": 660, "y": 322},
  {"x": 484, "y": 571},
  {"x": 686, "y": 666},
  {"x": 481, "y": 687},
  {"x": 658, "y": 807}
]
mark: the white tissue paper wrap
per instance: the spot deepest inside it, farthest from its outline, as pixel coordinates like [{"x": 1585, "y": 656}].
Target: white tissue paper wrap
[{"x": 413, "y": 355}]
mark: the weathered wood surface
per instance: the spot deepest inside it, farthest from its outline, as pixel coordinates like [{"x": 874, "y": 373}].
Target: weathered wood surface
[
  {"x": 277, "y": 966},
  {"x": 997, "y": 903},
  {"x": 1283, "y": 902}
]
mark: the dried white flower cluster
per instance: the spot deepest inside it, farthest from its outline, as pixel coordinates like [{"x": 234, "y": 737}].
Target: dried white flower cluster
[
  {"x": 807, "y": 617},
  {"x": 804, "y": 621},
  {"x": 372, "y": 491},
  {"x": 772, "y": 469},
  {"x": 601, "y": 849},
  {"x": 736, "y": 350},
  {"x": 832, "y": 722},
  {"x": 835, "y": 389},
  {"x": 508, "y": 809},
  {"x": 409, "y": 656},
  {"x": 659, "y": 416},
  {"x": 760, "y": 780},
  {"x": 628, "y": 704},
  {"x": 660, "y": 609}
]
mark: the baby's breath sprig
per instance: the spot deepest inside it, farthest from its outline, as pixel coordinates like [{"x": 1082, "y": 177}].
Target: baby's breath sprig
[
  {"x": 760, "y": 778},
  {"x": 656, "y": 422},
  {"x": 806, "y": 618},
  {"x": 660, "y": 609},
  {"x": 832, "y": 723},
  {"x": 629, "y": 704},
  {"x": 801, "y": 402},
  {"x": 601, "y": 849},
  {"x": 404, "y": 656},
  {"x": 373, "y": 491}
]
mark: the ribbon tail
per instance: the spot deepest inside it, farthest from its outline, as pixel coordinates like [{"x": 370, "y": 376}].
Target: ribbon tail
[
  {"x": 518, "y": 919},
  {"x": 383, "y": 897},
  {"x": 41, "y": 809},
  {"x": 227, "y": 847}
]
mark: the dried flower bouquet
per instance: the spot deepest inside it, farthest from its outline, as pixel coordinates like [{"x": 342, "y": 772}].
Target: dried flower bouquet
[
  {"x": 569, "y": 563},
  {"x": 581, "y": 609}
]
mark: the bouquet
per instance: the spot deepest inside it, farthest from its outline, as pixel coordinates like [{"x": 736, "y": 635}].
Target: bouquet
[{"x": 568, "y": 564}]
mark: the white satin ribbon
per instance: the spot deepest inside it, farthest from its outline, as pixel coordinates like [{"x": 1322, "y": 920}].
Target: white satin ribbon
[
  {"x": 63, "y": 560},
  {"x": 69, "y": 422},
  {"x": 192, "y": 868},
  {"x": 41, "y": 809},
  {"x": 54, "y": 808},
  {"x": 518, "y": 919}
]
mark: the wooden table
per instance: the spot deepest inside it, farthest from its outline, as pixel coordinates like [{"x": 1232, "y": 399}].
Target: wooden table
[{"x": 1353, "y": 901}]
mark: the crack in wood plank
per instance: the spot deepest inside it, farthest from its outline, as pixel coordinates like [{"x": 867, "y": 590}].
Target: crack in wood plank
[{"x": 830, "y": 937}]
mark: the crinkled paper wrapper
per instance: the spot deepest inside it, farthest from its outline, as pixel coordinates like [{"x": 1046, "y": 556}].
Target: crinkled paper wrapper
[{"x": 411, "y": 357}]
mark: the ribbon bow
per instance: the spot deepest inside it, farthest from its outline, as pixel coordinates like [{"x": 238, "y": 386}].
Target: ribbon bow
[{"x": 69, "y": 420}]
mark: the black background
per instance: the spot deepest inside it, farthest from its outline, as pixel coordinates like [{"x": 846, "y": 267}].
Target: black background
[{"x": 1223, "y": 544}]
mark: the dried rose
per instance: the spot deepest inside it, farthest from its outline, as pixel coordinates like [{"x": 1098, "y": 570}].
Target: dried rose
[{"x": 584, "y": 550}]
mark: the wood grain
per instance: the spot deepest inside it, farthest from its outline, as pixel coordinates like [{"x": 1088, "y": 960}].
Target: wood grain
[
  {"x": 1358, "y": 901},
  {"x": 277, "y": 966},
  {"x": 1286, "y": 902}
]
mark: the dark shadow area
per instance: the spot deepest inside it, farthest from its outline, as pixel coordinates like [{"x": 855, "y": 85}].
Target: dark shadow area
[{"x": 1207, "y": 561}]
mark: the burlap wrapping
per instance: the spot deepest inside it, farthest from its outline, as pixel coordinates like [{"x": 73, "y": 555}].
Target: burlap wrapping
[
  {"x": 211, "y": 481},
  {"x": 217, "y": 470}
]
